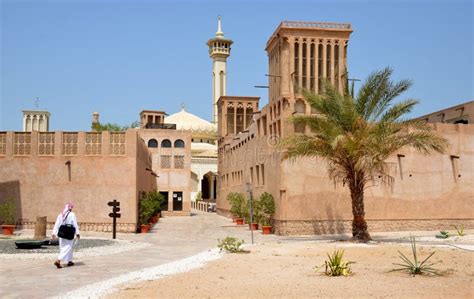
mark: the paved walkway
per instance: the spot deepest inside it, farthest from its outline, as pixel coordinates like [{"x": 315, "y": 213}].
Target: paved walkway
[{"x": 172, "y": 239}]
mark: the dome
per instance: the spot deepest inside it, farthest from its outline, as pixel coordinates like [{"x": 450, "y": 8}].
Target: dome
[{"x": 187, "y": 121}]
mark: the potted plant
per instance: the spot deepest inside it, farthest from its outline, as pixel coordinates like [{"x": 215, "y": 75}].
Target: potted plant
[
  {"x": 267, "y": 209},
  {"x": 7, "y": 215},
  {"x": 256, "y": 214},
  {"x": 146, "y": 210},
  {"x": 156, "y": 199},
  {"x": 237, "y": 206}
]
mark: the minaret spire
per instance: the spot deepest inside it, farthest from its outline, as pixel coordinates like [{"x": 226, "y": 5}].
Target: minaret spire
[
  {"x": 219, "y": 33},
  {"x": 219, "y": 50}
]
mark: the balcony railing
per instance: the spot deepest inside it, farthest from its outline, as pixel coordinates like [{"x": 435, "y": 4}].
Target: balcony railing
[
  {"x": 322, "y": 25},
  {"x": 161, "y": 126}
]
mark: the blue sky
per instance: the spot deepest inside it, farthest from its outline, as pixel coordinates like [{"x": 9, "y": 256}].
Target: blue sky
[{"x": 120, "y": 57}]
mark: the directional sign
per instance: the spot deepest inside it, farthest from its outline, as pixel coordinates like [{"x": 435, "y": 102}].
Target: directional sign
[
  {"x": 112, "y": 215},
  {"x": 114, "y": 203},
  {"x": 115, "y": 209}
]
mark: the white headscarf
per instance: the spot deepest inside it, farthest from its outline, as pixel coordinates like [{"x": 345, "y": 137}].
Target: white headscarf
[{"x": 67, "y": 208}]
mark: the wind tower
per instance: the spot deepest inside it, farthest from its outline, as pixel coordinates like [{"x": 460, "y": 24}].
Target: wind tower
[{"x": 219, "y": 50}]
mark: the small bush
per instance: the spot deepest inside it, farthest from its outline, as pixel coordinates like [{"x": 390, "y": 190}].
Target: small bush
[
  {"x": 443, "y": 235},
  {"x": 237, "y": 204},
  {"x": 335, "y": 266},
  {"x": 266, "y": 208},
  {"x": 230, "y": 244},
  {"x": 459, "y": 229},
  {"x": 414, "y": 267}
]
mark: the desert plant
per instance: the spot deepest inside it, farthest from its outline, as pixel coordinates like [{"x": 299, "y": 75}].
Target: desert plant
[
  {"x": 357, "y": 133},
  {"x": 237, "y": 204},
  {"x": 335, "y": 266},
  {"x": 415, "y": 267},
  {"x": 7, "y": 211},
  {"x": 230, "y": 244},
  {"x": 459, "y": 229},
  {"x": 267, "y": 208},
  {"x": 443, "y": 235}
]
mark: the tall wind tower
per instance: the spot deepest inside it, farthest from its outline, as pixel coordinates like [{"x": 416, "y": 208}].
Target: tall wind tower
[{"x": 219, "y": 50}]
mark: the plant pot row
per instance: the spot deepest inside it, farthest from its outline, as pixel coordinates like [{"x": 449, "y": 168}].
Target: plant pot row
[
  {"x": 8, "y": 229},
  {"x": 145, "y": 228},
  {"x": 266, "y": 230}
]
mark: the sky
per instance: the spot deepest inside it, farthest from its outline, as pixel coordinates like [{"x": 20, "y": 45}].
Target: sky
[{"x": 121, "y": 57}]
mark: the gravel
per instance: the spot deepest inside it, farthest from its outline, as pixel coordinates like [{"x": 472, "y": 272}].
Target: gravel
[{"x": 86, "y": 247}]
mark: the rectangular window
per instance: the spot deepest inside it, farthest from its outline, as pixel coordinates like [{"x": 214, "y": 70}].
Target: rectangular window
[
  {"x": 93, "y": 143},
  {"x": 320, "y": 67},
  {"x": 264, "y": 125},
  {"x": 263, "y": 173},
  {"x": 304, "y": 66},
  {"x": 328, "y": 61},
  {"x": 336, "y": 66},
  {"x": 69, "y": 145},
  {"x": 251, "y": 175},
  {"x": 257, "y": 170},
  {"x": 296, "y": 61},
  {"x": 117, "y": 144},
  {"x": 230, "y": 120},
  {"x": 46, "y": 144},
  {"x": 311, "y": 67}
]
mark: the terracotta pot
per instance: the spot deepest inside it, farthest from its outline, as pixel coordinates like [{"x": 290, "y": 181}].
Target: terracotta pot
[
  {"x": 253, "y": 226},
  {"x": 266, "y": 230},
  {"x": 144, "y": 228},
  {"x": 239, "y": 221},
  {"x": 154, "y": 219},
  {"x": 8, "y": 229}
]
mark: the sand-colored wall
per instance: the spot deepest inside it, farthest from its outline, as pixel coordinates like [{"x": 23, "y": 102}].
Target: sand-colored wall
[
  {"x": 171, "y": 179},
  {"x": 42, "y": 184}
]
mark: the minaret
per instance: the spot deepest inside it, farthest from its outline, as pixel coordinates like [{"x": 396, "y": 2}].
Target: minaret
[{"x": 219, "y": 50}]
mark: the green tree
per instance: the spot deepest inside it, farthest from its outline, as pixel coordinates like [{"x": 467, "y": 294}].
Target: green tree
[
  {"x": 357, "y": 134},
  {"x": 113, "y": 127}
]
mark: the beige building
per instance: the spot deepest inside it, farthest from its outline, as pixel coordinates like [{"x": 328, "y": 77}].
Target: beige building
[
  {"x": 36, "y": 120},
  {"x": 429, "y": 192},
  {"x": 459, "y": 114},
  {"x": 43, "y": 170}
]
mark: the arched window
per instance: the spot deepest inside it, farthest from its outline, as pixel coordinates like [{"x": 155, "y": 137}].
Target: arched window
[
  {"x": 179, "y": 143},
  {"x": 152, "y": 143},
  {"x": 166, "y": 143}
]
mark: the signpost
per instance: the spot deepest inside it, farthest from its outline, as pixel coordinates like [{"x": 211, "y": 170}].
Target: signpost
[
  {"x": 249, "y": 190},
  {"x": 114, "y": 215}
]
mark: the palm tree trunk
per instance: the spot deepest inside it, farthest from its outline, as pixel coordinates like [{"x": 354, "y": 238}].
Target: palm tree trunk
[{"x": 359, "y": 225}]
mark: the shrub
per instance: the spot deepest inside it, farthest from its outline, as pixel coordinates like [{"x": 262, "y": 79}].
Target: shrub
[
  {"x": 149, "y": 205},
  {"x": 237, "y": 204},
  {"x": 415, "y": 267},
  {"x": 7, "y": 211},
  {"x": 198, "y": 196},
  {"x": 459, "y": 229},
  {"x": 256, "y": 211},
  {"x": 267, "y": 208},
  {"x": 443, "y": 235},
  {"x": 335, "y": 266},
  {"x": 230, "y": 244}
]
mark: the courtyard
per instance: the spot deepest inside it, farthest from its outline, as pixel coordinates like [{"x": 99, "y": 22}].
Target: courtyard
[{"x": 180, "y": 259}]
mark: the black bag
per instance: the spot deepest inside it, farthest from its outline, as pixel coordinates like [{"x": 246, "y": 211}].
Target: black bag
[{"x": 67, "y": 231}]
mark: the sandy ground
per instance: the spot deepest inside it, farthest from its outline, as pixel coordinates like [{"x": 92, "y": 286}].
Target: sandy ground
[{"x": 287, "y": 270}]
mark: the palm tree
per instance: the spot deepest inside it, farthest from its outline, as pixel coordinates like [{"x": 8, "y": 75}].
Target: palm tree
[{"x": 357, "y": 134}]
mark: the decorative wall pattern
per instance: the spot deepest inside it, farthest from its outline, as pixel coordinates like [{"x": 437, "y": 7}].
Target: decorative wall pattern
[
  {"x": 179, "y": 162},
  {"x": 165, "y": 161},
  {"x": 46, "y": 144},
  {"x": 3, "y": 143},
  {"x": 93, "y": 143},
  {"x": 22, "y": 144},
  {"x": 117, "y": 144},
  {"x": 69, "y": 145}
]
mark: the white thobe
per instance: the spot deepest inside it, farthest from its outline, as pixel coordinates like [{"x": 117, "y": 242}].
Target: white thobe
[{"x": 65, "y": 246}]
